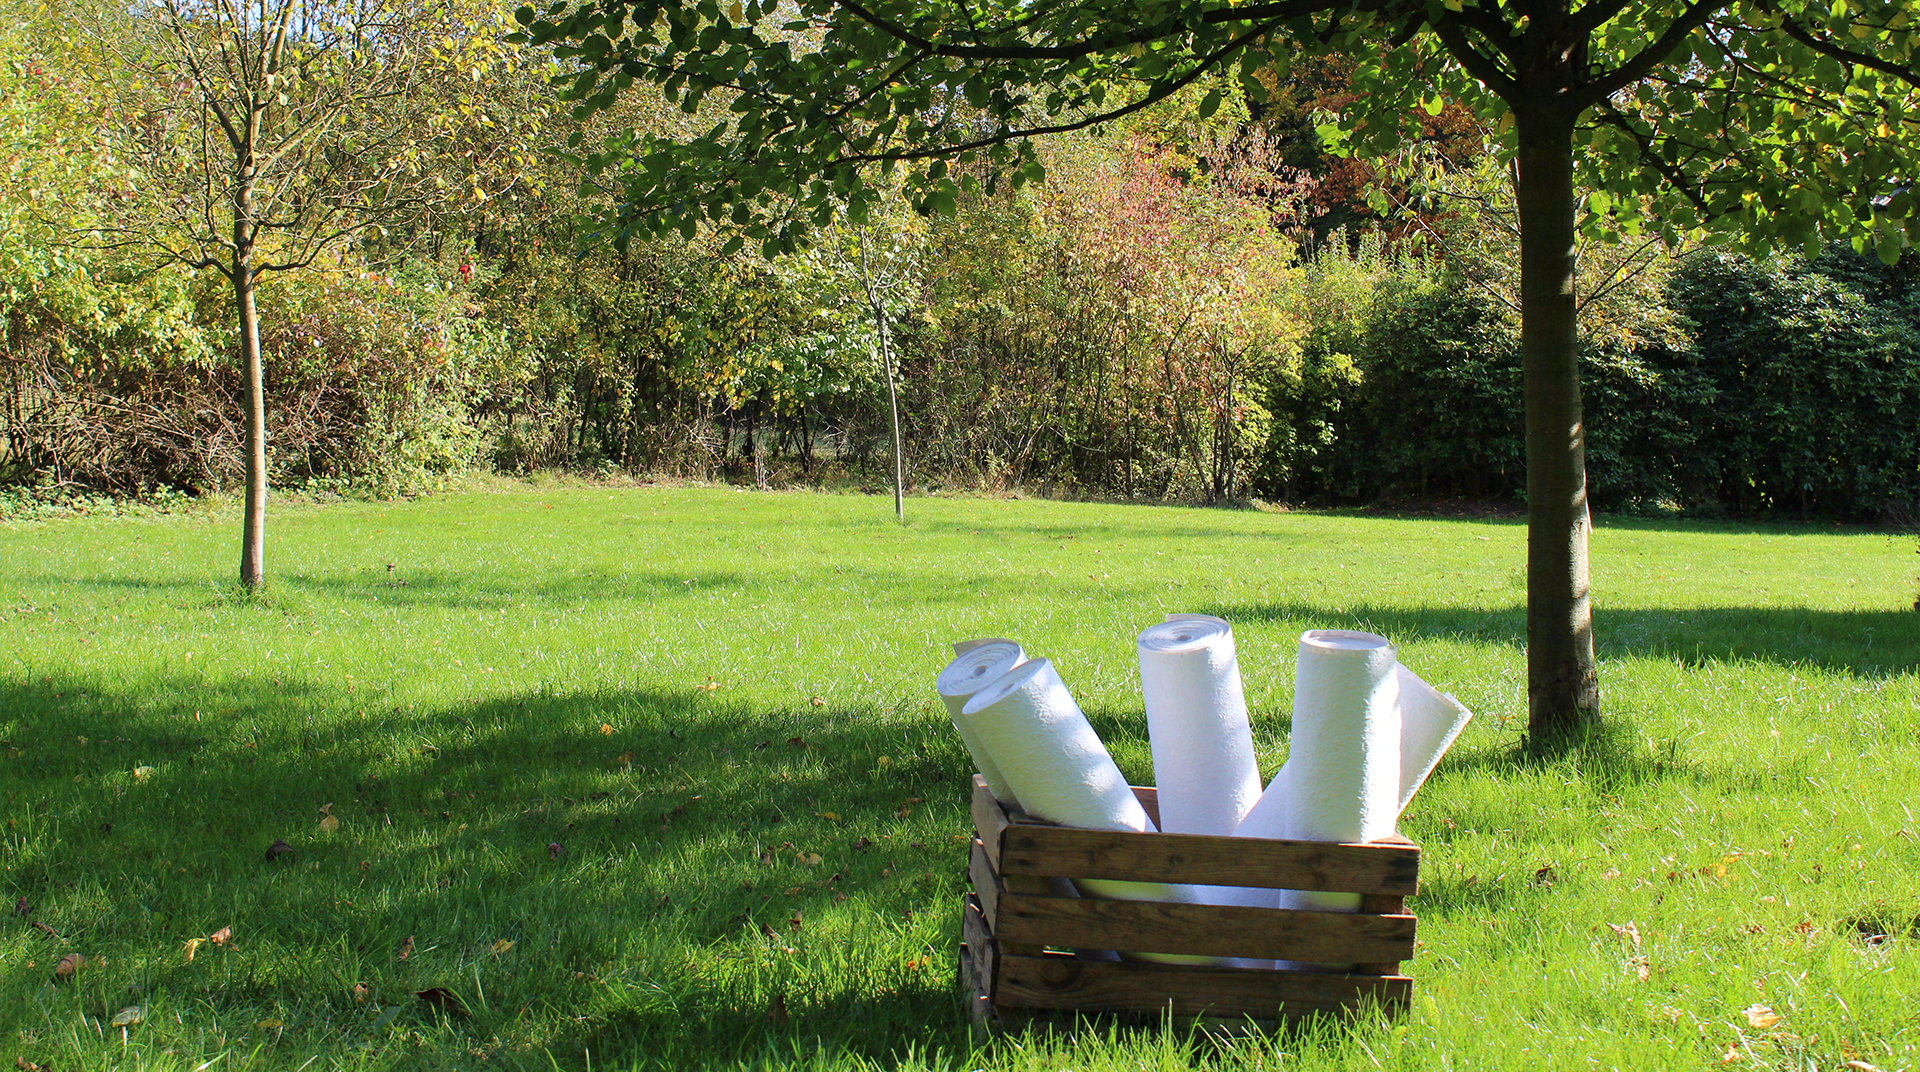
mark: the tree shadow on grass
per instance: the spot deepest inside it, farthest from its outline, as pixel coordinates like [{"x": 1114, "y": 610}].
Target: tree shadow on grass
[
  {"x": 622, "y": 871},
  {"x": 1863, "y": 643}
]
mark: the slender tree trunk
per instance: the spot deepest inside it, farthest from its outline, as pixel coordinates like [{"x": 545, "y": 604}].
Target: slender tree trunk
[
  {"x": 1563, "y": 690},
  {"x": 893, "y": 405},
  {"x": 253, "y": 537}
]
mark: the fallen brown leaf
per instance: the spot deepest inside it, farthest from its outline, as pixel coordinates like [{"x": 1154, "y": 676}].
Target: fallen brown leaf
[
  {"x": 69, "y": 966},
  {"x": 25, "y": 1065},
  {"x": 443, "y": 999},
  {"x": 278, "y": 849},
  {"x": 817, "y": 702},
  {"x": 794, "y": 923},
  {"x": 49, "y": 931},
  {"x": 359, "y": 993},
  {"x": 221, "y": 936},
  {"x": 1760, "y": 1017},
  {"x": 555, "y": 850},
  {"x": 1630, "y": 932},
  {"x": 21, "y": 908},
  {"x": 1544, "y": 876},
  {"x": 777, "y": 1012},
  {"x": 1861, "y": 1066},
  {"x": 863, "y": 844},
  {"x": 406, "y": 948},
  {"x": 797, "y": 742}
]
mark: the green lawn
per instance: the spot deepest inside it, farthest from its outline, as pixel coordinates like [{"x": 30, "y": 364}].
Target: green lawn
[{"x": 616, "y": 768}]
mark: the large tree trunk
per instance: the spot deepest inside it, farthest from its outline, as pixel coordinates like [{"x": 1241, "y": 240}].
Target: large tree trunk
[
  {"x": 1563, "y": 689},
  {"x": 254, "y": 525}
]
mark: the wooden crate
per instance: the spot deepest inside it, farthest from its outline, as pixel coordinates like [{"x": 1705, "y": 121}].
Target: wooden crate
[{"x": 1020, "y": 928}]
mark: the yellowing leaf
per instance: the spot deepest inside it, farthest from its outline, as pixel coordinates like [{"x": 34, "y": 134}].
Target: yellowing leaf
[
  {"x": 193, "y": 946},
  {"x": 140, "y": 774},
  {"x": 328, "y": 824},
  {"x": 606, "y": 730},
  {"x": 502, "y": 946},
  {"x": 269, "y": 1025},
  {"x": 129, "y": 1016},
  {"x": 811, "y": 859},
  {"x": 1759, "y": 1017}
]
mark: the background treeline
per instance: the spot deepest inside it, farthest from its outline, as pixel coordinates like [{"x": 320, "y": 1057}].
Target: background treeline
[{"x": 1186, "y": 310}]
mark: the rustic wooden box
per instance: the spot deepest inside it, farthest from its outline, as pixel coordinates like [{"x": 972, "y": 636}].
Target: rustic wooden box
[{"x": 1020, "y": 928}]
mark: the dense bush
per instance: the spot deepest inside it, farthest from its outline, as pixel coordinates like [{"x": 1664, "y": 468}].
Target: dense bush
[
  {"x": 1784, "y": 385},
  {"x": 124, "y": 381},
  {"x": 1807, "y": 380}
]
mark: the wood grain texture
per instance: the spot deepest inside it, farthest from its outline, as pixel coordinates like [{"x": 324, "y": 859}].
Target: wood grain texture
[
  {"x": 1203, "y": 930},
  {"x": 1149, "y": 798},
  {"x": 989, "y": 819},
  {"x": 1379, "y": 867},
  {"x": 986, "y": 885},
  {"x": 1091, "y": 985},
  {"x": 1385, "y": 904},
  {"x": 978, "y": 950}
]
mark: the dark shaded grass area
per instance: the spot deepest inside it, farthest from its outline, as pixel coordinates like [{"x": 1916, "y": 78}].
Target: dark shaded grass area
[{"x": 598, "y": 855}]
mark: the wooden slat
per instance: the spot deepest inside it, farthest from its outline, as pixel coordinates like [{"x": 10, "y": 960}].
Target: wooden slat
[
  {"x": 1150, "y": 800},
  {"x": 1032, "y": 849},
  {"x": 979, "y": 948},
  {"x": 1092, "y": 985},
  {"x": 986, "y": 885},
  {"x": 1384, "y": 904},
  {"x": 989, "y": 819},
  {"x": 1201, "y": 930}
]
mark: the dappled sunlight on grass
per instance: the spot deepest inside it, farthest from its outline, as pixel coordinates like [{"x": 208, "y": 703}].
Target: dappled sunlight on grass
[{"x": 655, "y": 778}]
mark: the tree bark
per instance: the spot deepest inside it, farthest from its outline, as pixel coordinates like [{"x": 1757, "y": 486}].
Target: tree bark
[
  {"x": 1563, "y": 689},
  {"x": 254, "y": 524},
  {"x": 893, "y": 405}
]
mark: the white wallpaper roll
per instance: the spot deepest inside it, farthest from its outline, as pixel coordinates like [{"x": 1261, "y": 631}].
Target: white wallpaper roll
[
  {"x": 975, "y": 665},
  {"x": 1057, "y": 766},
  {"x": 1430, "y": 721},
  {"x": 1345, "y": 758},
  {"x": 1203, "y": 762}
]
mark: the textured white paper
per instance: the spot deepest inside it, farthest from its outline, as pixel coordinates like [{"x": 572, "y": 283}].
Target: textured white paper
[
  {"x": 976, "y": 664},
  {"x": 1057, "y": 766},
  {"x": 1430, "y": 721},
  {"x": 1203, "y": 762}
]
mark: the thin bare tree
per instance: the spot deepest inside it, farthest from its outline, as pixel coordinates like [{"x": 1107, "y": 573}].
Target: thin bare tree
[{"x": 263, "y": 134}]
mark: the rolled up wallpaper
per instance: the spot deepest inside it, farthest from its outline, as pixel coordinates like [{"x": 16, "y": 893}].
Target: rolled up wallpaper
[
  {"x": 1203, "y": 762},
  {"x": 1061, "y": 772},
  {"x": 1430, "y": 720},
  {"x": 976, "y": 664}
]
